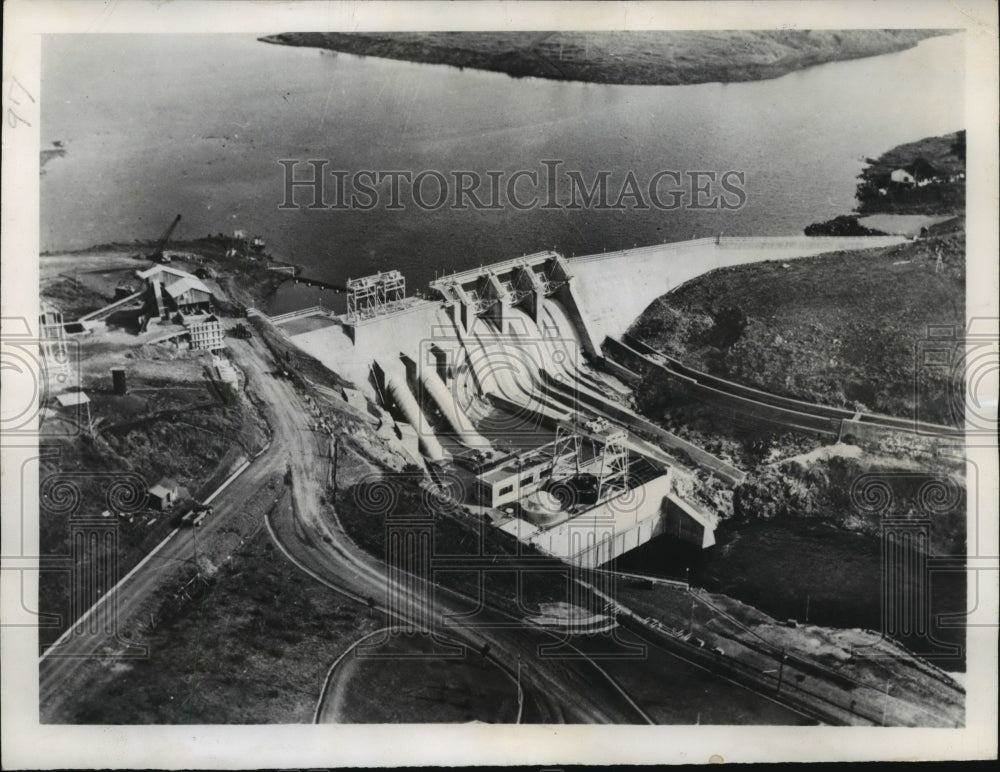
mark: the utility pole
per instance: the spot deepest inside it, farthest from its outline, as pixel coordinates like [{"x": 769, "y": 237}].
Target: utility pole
[
  {"x": 807, "y": 607},
  {"x": 336, "y": 451},
  {"x": 194, "y": 546},
  {"x": 691, "y": 619},
  {"x": 781, "y": 669}
]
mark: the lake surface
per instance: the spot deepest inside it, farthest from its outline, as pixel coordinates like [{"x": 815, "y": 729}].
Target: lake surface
[{"x": 156, "y": 125}]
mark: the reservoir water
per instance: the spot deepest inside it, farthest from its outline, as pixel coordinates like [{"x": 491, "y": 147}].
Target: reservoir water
[
  {"x": 155, "y": 125},
  {"x": 812, "y": 571}
]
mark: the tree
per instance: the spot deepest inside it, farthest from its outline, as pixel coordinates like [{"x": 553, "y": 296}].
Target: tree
[
  {"x": 958, "y": 146},
  {"x": 730, "y": 324}
]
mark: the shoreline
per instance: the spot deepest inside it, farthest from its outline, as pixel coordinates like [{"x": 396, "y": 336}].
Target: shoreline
[
  {"x": 673, "y": 58},
  {"x": 261, "y": 292}
]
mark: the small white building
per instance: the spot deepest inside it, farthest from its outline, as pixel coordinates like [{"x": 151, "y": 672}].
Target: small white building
[
  {"x": 516, "y": 477},
  {"x": 164, "y": 494},
  {"x": 902, "y": 177}
]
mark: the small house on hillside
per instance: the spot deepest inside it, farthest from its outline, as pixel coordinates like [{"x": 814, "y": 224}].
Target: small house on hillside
[
  {"x": 902, "y": 177},
  {"x": 164, "y": 494}
]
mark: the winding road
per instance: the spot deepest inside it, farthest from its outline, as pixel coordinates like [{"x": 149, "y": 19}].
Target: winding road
[{"x": 563, "y": 690}]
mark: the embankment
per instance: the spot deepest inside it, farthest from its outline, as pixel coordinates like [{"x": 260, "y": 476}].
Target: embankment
[{"x": 839, "y": 330}]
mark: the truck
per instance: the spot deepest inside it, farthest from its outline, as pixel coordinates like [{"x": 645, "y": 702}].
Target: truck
[{"x": 195, "y": 516}]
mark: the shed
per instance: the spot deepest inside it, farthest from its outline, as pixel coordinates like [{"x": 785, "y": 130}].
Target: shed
[{"x": 164, "y": 494}]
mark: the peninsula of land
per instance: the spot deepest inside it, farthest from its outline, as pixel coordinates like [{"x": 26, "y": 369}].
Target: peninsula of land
[{"x": 653, "y": 57}]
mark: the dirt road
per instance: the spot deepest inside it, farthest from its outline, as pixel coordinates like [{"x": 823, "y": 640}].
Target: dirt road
[{"x": 566, "y": 690}]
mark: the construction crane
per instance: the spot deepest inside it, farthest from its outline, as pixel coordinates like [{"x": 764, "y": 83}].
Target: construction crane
[{"x": 157, "y": 254}]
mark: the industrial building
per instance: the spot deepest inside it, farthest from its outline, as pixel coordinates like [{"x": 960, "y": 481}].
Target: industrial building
[
  {"x": 587, "y": 497},
  {"x": 512, "y": 477},
  {"x": 171, "y": 290}
]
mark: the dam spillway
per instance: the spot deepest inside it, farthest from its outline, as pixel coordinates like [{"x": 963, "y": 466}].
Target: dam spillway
[{"x": 502, "y": 355}]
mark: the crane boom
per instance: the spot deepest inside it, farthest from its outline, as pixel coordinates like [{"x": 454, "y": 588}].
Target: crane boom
[{"x": 157, "y": 254}]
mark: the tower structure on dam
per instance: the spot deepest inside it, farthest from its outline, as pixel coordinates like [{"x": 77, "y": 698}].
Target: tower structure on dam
[
  {"x": 375, "y": 295},
  {"x": 524, "y": 283}
]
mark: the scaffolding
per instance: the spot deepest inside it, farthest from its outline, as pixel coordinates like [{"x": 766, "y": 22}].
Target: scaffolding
[
  {"x": 612, "y": 478},
  {"x": 52, "y": 347},
  {"x": 609, "y": 464},
  {"x": 375, "y": 295},
  {"x": 565, "y": 453}
]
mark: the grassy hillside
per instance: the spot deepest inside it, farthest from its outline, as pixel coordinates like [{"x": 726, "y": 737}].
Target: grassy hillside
[
  {"x": 840, "y": 329},
  {"x": 634, "y": 58}
]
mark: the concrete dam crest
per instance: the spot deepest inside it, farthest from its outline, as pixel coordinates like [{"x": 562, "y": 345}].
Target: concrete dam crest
[{"x": 501, "y": 379}]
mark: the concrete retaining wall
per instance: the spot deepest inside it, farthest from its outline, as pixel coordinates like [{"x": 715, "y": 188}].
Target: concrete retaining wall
[{"x": 615, "y": 288}]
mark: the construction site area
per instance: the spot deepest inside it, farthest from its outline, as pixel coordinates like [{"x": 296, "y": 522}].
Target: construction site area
[{"x": 510, "y": 388}]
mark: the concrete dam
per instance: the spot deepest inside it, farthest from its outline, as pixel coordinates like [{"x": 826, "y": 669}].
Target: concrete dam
[{"x": 498, "y": 375}]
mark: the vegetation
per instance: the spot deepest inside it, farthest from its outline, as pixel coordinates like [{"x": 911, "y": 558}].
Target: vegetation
[
  {"x": 412, "y": 680},
  {"x": 366, "y": 510},
  {"x": 240, "y": 330},
  {"x": 72, "y": 297},
  {"x": 168, "y": 425},
  {"x": 844, "y": 225},
  {"x": 840, "y": 329},
  {"x": 300, "y": 366},
  {"x": 245, "y": 280},
  {"x": 939, "y": 162},
  {"x": 634, "y": 58},
  {"x": 251, "y": 645},
  {"x": 847, "y": 330},
  {"x": 822, "y": 489}
]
